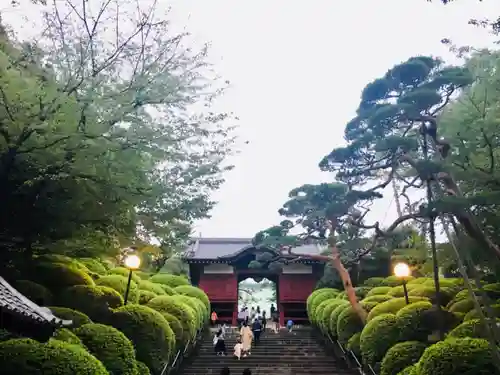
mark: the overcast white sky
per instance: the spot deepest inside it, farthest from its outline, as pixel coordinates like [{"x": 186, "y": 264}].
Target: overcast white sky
[{"x": 297, "y": 69}]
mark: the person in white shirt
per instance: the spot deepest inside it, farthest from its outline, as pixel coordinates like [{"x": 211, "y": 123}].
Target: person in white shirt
[
  {"x": 241, "y": 317},
  {"x": 238, "y": 349}
]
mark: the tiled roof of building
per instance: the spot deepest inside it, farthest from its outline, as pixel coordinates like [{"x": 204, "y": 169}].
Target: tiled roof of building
[
  {"x": 216, "y": 248},
  {"x": 13, "y": 301}
]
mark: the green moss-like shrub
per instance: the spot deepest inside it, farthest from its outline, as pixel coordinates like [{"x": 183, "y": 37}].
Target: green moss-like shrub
[
  {"x": 361, "y": 291},
  {"x": 400, "y": 356},
  {"x": 122, "y": 271},
  {"x": 379, "y": 290},
  {"x": 110, "y": 346},
  {"x": 35, "y": 292},
  {"x": 324, "y": 320},
  {"x": 354, "y": 346},
  {"x": 181, "y": 311},
  {"x": 446, "y": 294},
  {"x": 119, "y": 283},
  {"x": 378, "y": 336},
  {"x": 318, "y": 312},
  {"x": 348, "y": 324},
  {"x": 474, "y": 314},
  {"x": 473, "y": 328},
  {"x": 192, "y": 291},
  {"x": 62, "y": 259},
  {"x": 64, "y": 334},
  {"x": 58, "y": 276},
  {"x": 410, "y": 370},
  {"x": 146, "y": 296},
  {"x": 142, "y": 369},
  {"x": 65, "y": 313},
  {"x": 342, "y": 295},
  {"x": 94, "y": 301},
  {"x": 374, "y": 282},
  {"x": 151, "y": 287},
  {"x": 29, "y": 357},
  {"x": 378, "y": 298},
  {"x": 464, "y": 294},
  {"x": 168, "y": 290},
  {"x": 196, "y": 305},
  {"x": 446, "y": 282},
  {"x": 419, "y": 280},
  {"x": 368, "y": 305},
  {"x": 458, "y": 356},
  {"x": 412, "y": 323},
  {"x": 153, "y": 339},
  {"x": 399, "y": 291},
  {"x": 462, "y": 306},
  {"x": 172, "y": 281},
  {"x": 317, "y": 297},
  {"x": 492, "y": 290},
  {"x": 176, "y": 326},
  {"x": 143, "y": 275},
  {"x": 334, "y": 317},
  {"x": 395, "y": 281},
  {"x": 392, "y": 306},
  {"x": 94, "y": 265}
]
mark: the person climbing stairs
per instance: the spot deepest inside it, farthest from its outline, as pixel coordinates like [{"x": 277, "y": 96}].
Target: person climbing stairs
[{"x": 297, "y": 353}]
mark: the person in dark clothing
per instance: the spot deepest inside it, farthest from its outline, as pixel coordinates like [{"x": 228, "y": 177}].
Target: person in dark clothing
[
  {"x": 247, "y": 371},
  {"x": 225, "y": 371},
  {"x": 264, "y": 321},
  {"x": 256, "y": 329},
  {"x": 219, "y": 343},
  {"x": 258, "y": 310},
  {"x": 273, "y": 310}
]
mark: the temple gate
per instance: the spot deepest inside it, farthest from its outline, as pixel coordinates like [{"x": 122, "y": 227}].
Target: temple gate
[{"x": 217, "y": 265}]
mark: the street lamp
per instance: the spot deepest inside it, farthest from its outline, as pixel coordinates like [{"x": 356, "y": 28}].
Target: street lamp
[
  {"x": 132, "y": 262},
  {"x": 402, "y": 270}
]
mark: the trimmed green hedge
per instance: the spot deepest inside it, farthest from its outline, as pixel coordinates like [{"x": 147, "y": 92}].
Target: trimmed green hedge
[
  {"x": 94, "y": 265},
  {"x": 94, "y": 301},
  {"x": 201, "y": 316},
  {"x": 392, "y": 306},
  {"x": 334, "y": 317},
  {"x": 317, "y": 297},
  {"x": 473, "y": 328},
  {"x": 348, "y": 324},
  {"x": 379, "y": 290},
  {"x": 474, "y": 314},
  {"x": 378, "y": 336},
  {"x": 324, "y": 320},
  {"x": 462, "y": 306},
  {"x": 65, "y": 313},
  {"x": 64, "y": 334},
  {"x": 151, "y": 287},
  {"x": 192, "y": 291},
  {"x": 458, "y": 357},
  {"x": 153, "y": 339},
  {"x": 181, "y": 311},
  {"x": 125, "y": 272},
  {"x": 354, "y": 344},
  {"x": 142, "y": 369},
  {"x": 110, "y": 346},
  {"x": 170, "y": 280},
  {"x": 58, "y": 276},
  {"x": 374, "y": 282},
  {"x": 119, "y": 283},
  {"x": 395, "y": 281},
  {"x": 29, "y": 357},
  {"x": 35, "y": 292},
  {"x": 378, "y": 298},
  {"x": 411, "y": 322},
  {"x": 400, "y": 356},
  {"x": 146, "y": 296},
  {"x": 168, "y": 290},
  {"x": 176, "y": 326}
]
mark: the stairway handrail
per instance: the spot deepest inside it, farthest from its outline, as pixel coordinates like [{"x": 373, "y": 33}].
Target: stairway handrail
[{"x": 181, "y": 354}]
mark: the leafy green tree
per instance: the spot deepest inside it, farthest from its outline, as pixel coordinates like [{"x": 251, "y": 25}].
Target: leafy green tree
[{"x": 106, "y": 132}]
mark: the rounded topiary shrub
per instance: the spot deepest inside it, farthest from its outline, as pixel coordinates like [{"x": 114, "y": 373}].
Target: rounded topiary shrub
[
  {"x": 474, "y": 314},
  {"x": 458, "y": 357},
  {"x": 35, "y": 292},
  {"x": 368, "y": 305},
  {"x": 122, "y": 271},
  {"x": 492, "y": 290},
  {"x": 317, "y": 297},
  {"x": 377, "y": 298},
  {"x": 181, "y": 311},
  {"x": 399, "y": 291},
  {"x": 374, "y": 282},
  {"x": 410, "y": 370},
  {"x": 318, "y": 312},
  {"x": 78, "y": 318},
  {"x": 378, "y": 336},
  {"x": 192, "y": 291},
  {"x": 196, "y": 305},
  {"x": 119, "y": 283},
  {"x": 29, "y": 357},
  {"x": 64, "y": 334},
  {"x": 94, "y": 265},
  {"x": 176, "y": 326},
  {"x": 151, "y": 287},
  {"x": 379, "y": 290},
  {"x": 412, "y": 323},
  {"x": 400, "y": 356},
  {"x": 170, "y": 280},
  {"x": 94, "y": 301},
  {"x": 58, "y": 276},
  {"x": 334, "y": 317},
  {"x": 153, "y": 339},
  {"x": 419, "y": 280},
  {"x": 324, "y": 321},
  {"x": 354, "y": 346},
  {"x": 110, "y": 346},
  {"x": 445, "y": 294},
  {"x": 143, "y": 275},
  {"x": 142, "y": 369},
  {"x": 392, "y": 306},
  {"x": 395, "y": 281},
  {"x": 473, "y": 328},
  {"x": 348, "y": 324},
  {"x": 462, "y": 306},
  {"x": 62, "y": 259},
  {"x": 146, "y": 296},
  {"x": 464, "y": 294},
  {"x": 362, "y": 291},
  {"x": 168, "y": 290}
]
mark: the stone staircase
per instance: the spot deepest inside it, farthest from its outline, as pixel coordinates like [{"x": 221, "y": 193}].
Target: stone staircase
[{"x": 296, "y": 353}]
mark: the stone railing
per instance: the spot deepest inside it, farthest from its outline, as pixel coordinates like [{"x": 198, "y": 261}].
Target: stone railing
[{"x": 172, "y": 367}]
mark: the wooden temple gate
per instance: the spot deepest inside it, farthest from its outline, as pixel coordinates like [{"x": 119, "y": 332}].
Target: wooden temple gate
[{"x": 217, "y": 265}]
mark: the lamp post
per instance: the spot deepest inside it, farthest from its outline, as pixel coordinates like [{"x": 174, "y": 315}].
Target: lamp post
[
  {"x": 402, "y": 270},
  {"x": 132, "y": 262}
]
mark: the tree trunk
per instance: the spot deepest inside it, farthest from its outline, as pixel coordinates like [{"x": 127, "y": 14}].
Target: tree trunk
[{"x": 396, "y": 197}]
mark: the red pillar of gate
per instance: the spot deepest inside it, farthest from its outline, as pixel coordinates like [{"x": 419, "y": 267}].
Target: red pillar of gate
[
  {"x": 294, "y": 288},
  {"x": 221, "y": 288}
]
